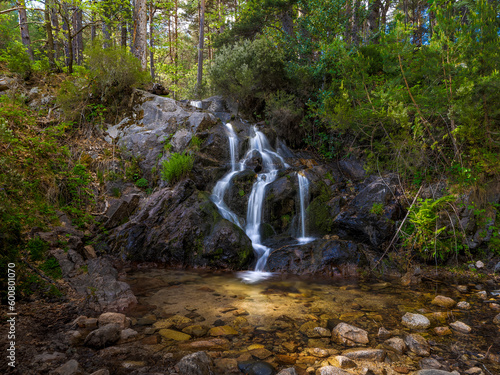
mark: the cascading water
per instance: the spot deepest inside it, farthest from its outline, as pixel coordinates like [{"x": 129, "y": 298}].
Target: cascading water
[
  {"x": 304, "y": 197},
  {"x": 271, "y": 162}
]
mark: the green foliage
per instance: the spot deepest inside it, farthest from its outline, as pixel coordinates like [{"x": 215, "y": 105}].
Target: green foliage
[
  {"x": 195, "y": 143},
  {"x": 285, "y": 112},
  {"x": 429, "y": 229},
  {"x": 51, "y": 268},
  {"x": 377, "y": 209},
  {"x": 247, "y": 71},
  {"x": 142, "y": 183},
  {"x": 36, "y": 248},
  {"x": 177, "y": 167},
  {"x": 103, "y": 86}
]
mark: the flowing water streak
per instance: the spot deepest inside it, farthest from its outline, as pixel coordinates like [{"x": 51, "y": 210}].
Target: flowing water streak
[
  {"x": 224, "y": 183},
  {"x": 259, "y": 143},
  {"x": 304, "y": 197}
]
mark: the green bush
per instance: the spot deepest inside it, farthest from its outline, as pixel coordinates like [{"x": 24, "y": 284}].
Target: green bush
[
  {"x": 102, "y": 87},
  {"x": 285, "y": 112},
  {"x": 177, "y": 167},
  {"x": 247, "y": 72},
  {"x": 141, "y": 183}
]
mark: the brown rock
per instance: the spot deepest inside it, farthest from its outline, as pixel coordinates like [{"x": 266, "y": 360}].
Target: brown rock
[
  {"x": 442, "y": 331},
  {"x": 151, "y": 340},
  {"x": 284, "y": 359},
  {"x": 444, "y": 302},
  {"x": 222, "y": 331},
  {"x": 377, "y": 355},
  {"x": 417, "y": 344},
  {"x": 215, "y": 344},
  {"x": 349, "y": 335},
  {"x": 260, "y": 353},
  {"x": 113, "y": 318}
]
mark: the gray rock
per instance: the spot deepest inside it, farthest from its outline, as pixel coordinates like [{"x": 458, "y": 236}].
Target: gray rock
[
  {"x": 460, "y": 327},
  {"x": 376, "y": 355},
  {"x": 434, "y": 372},
  {"x": 288, "y": 371},
  {"x": 496, "y": 319},
  {"x": 5, "y": 83},
  {"x": 462, "y": 305},
  {"x": 128, "y": 334},
  {"x": 497, "y": 268},
  {"x": 101, "y": 372},
  {"x": 429, "y": 363},
  {"x": 103, "y": 337},
  {"x": 69, "y": 368},
  {"x": 349, "y": 335},
  {"x": 198, "y": 363},
  {"x": 415, "y": 321},
  {"x": 180, "y": 140},
  {"x": 256, "y": 368},
  {"x": 119, "y": 210},
  {"x": 353, "y": 169},
  {"x": 49, "y": 357},
  {"x": 395, "y": 344},
  {"x": 332, "y": 370},
  {"x": 113, "y": 318},
  {"x": 417, "y": 344}
]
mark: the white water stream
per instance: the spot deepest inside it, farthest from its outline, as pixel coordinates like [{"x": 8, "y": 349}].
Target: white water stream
[
  {"x": 304, "y": 198},
  {"x": 271, "y": 163}
]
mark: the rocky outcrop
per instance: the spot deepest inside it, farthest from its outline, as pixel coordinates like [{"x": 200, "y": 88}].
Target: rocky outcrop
[
  {"x": 181, "y": 226},
  {"x": 319, "y": 257}
]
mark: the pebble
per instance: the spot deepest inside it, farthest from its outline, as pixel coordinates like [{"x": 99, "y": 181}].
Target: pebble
[
  {"x": 376, "y": 355},
  {"x": 463, "y": 305},
  {"x": 496, "y": 319},
  {"x": 482, "y": 294},
  {"x": 445, "y": 302},
  {"x": 395, "y": 344},
  {"x": 349, "y": 335},
  {"x": 479, "y": 264},
  {"x": 442, "y": 331},
  {"x": 415, "y": 321},
  {"x": 417, "y": 344},
  {"x": 288, "y": 371},
  {"x": 460, "y": 327}
]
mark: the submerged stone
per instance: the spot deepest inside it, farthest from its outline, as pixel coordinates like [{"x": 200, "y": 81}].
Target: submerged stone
[
  {"x": 256, "y": 368},
  {"x": 460, "y": 327},
  {"x": 349, "y": 335},
  {"x": 198, "y": 363},
  {"x": 444, "y": 302},
  {"x": 415, "y": 321},
  {"x": 170, "y": 334}
]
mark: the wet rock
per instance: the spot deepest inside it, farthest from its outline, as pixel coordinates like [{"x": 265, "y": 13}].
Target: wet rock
[
  {"x": 256, "y": 368},
  {"x": 196, "y": 330},
  {"x": 151, "y": 340},
  {"x": 383, "y": 333},
  {"x": 284, "y": 359},
  {"x": 321, "y": 256},
  {"x": 474, "y": 371},
  {"x": 349, "y": 335},
  {"x": 462, "y": 305},
  {"x": 439, "y": 317},
  {"x": 318, "y": 352},
  {"x": 434, "y": 372},
  {"x": 227, "y": 365},
  {"x": 147, "y": 320},
  {"x": 222, "y": 331},
  {"x": 74, "y": 337},
  {"x": 69, "y": 368},
  {"x": 345, "y": 362},
  {"x": 331, "y": 370},
  {"x": 460, "y": 327},
  {"x": 417, "y": 344},
  {"x": 101, "y": 372},
  {"x": 444, "y": 302},
  {"x": 376, "y": 355},
  {"x": 496, "y": 319},
  {"x": 352, "y": 168},
  {"x": 395, "y": 344},
  {"x": 198, "y": 363},
  {"x": 442, "y": 331},
  {"x": 429, "y": 363},
  {"x": 113, "y": 318},
  {"x": 170, "y": 334},
  {"x": 104, "y": 336},
  {"x": 415, "y": 321},
  {"x": 322, "y": 332},
  {"x": 260, "y": 353},
  {"x": 49, "y": 357},
  {"x": 128, "y": 334},
  {"x": 288, "y": 371},
  {"x": 482, "y": 294}
]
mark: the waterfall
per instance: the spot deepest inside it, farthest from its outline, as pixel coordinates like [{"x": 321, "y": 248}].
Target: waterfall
[
  {"x": 304, "y": 197},
  {"x": 271, "y": 163},
  {"x": 224, "y": 183}
]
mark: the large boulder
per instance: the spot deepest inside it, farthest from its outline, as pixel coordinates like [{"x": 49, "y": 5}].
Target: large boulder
[
  {"x": 181, "y": 226},
  {"x": 321, "y": 256}
]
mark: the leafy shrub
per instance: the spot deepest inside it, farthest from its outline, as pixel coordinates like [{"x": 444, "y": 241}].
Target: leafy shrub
[
  {"x": 51, "y": 268},
  {"x": 141, "y": 183},
  {"x": 37, "y": 248},
  {"x": 102, "y": 87},
  {"x": 377, "y": 209},
  {"x": 177, "y": 167},
  {"x": 247, "y": 71}
]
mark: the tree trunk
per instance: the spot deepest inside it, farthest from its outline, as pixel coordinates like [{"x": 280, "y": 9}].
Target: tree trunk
[
  {"x": 199, "y": 81},
  {"x": 50, "y": 37},
  {"x": 355, "y": 23},
  {"x": 373, "y": 18},
  {"x": 93, "y": 27},
  {"x": 23, "y": 27},
  {"x": 55, "y": 27},
  {"x": 140, "y": 32},
  {"x": 106, "y": 27},
  {"x": 124, "y": 32},
  {"x": 151, "y": 43},
  {"x": 176, "y": 41},
  {"x": 78, "y": 38}
]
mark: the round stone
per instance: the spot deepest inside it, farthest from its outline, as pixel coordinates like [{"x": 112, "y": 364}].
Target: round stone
[{"x": 415, "y": 321}]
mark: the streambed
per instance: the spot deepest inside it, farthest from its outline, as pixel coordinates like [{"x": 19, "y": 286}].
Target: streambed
[{"x": 276, "y": 316}]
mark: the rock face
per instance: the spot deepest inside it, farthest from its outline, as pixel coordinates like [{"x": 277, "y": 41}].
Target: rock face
[
  {"x": 181, "y": 226},
  {"x": 154, "y": 121},
  {"x": 370, "y": 216}
]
